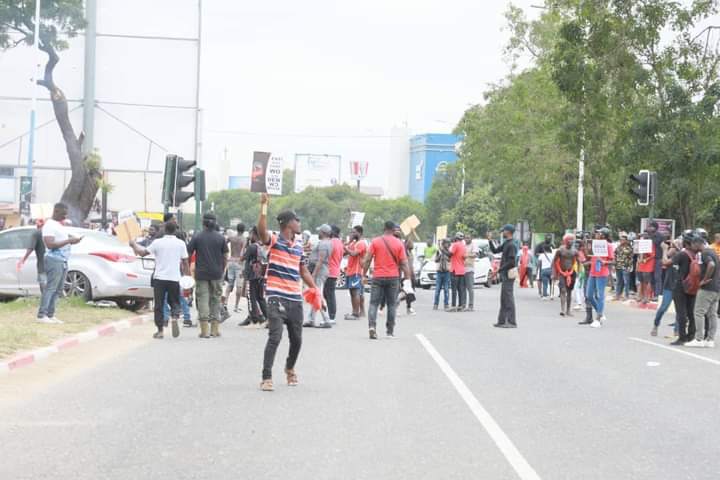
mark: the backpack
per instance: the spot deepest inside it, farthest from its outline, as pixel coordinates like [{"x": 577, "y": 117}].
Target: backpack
[{"x": 691, "y": 283}]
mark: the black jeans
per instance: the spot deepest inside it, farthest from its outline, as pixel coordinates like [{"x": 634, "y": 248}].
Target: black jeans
[
  {"x": 329, "y": 295},
  {"x": 282, "y": 312},
  {"x": 257, "y": 299},
  {"x": 458, "y": 290},
  {"x": 507, "y": 303},
  {"x": 172, "y": 290},
  {"x": 384, "y": 290},
  {"x": 684, "y": 314}
]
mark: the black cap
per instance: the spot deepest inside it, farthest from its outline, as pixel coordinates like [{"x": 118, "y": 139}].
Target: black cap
[
  {"x": 286, "y": 216},
  {"x": 209, "y": 216}
]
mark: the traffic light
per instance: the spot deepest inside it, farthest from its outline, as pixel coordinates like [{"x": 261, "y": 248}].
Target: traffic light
[
  {"x": 643, "y": 188},
  {"x": 178, "y": 176},
  {"x": 168, "y": 190}
]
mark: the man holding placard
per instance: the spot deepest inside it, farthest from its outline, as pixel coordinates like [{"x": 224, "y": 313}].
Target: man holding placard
[
  {"x": 645, "y": 267},
  {"x": 602, "y": 255}
]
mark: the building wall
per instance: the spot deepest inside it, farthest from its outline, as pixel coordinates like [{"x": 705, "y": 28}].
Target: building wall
[
  {"x": 428, "y": 153},
  {"x": 396, "y": 167}
]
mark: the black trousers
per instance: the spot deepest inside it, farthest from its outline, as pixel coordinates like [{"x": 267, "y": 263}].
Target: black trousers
[
  {"x": 282, "y": 312},
  {"x": 684, "y": 314},
  {"x": 257, "y": 299},
  {"x": 458, "y": 290},
  {"x": 329, "y": 295},
  {"x": 507, "y": 303},
  {"x": 172, "y": 290}
]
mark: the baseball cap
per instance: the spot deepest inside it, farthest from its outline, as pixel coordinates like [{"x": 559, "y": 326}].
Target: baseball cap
[
  {"x": 460, "y": 235},
  {"x": 325, "y": 228},
  {"x": 509, "y": 228}
]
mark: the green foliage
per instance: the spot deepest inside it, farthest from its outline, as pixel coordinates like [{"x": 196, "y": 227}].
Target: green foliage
[{"x": 60, "y": 19}]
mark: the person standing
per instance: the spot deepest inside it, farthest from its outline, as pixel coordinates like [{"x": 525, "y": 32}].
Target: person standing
[
  {"x": 683, "y": 297},
  {"x": 671, "y": 280},
  {"x": 457, "y": 266},
  {"x": 564, "y": 271},
  {"x": 356, "y": 251},
  {"x": 539, "y": 249},
  {"x": 285, "y": 273},
  {"x": 410, "y": 254},
  {"x": 211, "y": 249},
  {"x": 235, "y": 267},
  {"x": 442, "y": 274},
  {"x": 524, "y": 262},
  {"x": 334, "y": 262},
  {"x": 646, "y": 272},
  {"x": 390, "y": 258},
  {"x": 319, "y": 266},
  {"x": 546, "y": 270},
  {"x": 430, "y": 250},
  {"x": 255, "y": 267},
  {"x": 623, "y": 267},
  {"x": 508, "y": 273},
  {"x": 471, "y": 253},
  {"x": 38, "y": 246},
  {"x": 657, "y": 238},
  {"x": 57, "y": 244},
  {"x": 706, "y": 302},
  {"x": 171, "y": 259},
  {"x": 597, "y": 280}
]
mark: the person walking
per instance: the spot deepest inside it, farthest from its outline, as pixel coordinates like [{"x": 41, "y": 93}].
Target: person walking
[
  {"x": 57, "y": 253},
  {"x": 457, "y": 266},
  {"x": 336, "y": 256},
  {"x": 356, "y": 250},
  {"x": 525, "y": 268},
  {"x": 508, "y": 274},
  {"x": 388, "y": 252},
  {"x": 442, "y": 274},
  {"x": 564, "y": 270},
  {"x": 471, "y": 253},
  {"x": 319, "y": 266},
  {"x": 409, "y": 252},
  {"x": 211, "y": 249},
  {"x": 37, "y": 245},
  {"x": 546, "y": 270},
  {"x": 597, "y": 280},
  {"x": 254, "y": 273},
  {"x": 285, "y": 274},
  {"x": 235, "y": 267},
  {"x": 539, "y": 249},
  {"x": 706, "y": 303},
  {"x": 171, "y": 259}
]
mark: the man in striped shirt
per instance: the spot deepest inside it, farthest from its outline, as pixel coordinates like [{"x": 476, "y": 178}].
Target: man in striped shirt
[{"x": 283, "y": 289}]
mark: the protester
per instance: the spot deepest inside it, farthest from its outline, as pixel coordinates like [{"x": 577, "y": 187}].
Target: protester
[
  {"x": 334, "y": 268},
  {"x": 409, "y": 252},
  {"x": 457, "y": 267},
  {"x": 670, "y": 283},
  {"x": 471, "y": 254},
  {"x": 685, "y": 290},
  {"x": 390, "y": 258},
  {"x": 545, "y": 264},
  {"x": 319, "y": 266},
  {"x": 442, "y": 274},
  {"x": 656, "y": 272},
  {"x": 211, "y": 250},
  {"x": 565, "y": 272},
  {"x": 645, "y": 272},
  {"x": 254, "y": 273},
  {"x": 284, "y": 290},
  {"x": 57, "y": 243},
  {"x": 706, "y": 303},
  {"x": 539, "y": 249},
  {"x": 235, "y": 267},
  {"x": 508, "y": 273},
  {"x": 597, "y": 280},
  {"x": 430, "y": 250},
  {"x": 153, "y": 233},
  {"x": 38, "y": 246},
  {"x": 623, "y": 267},
  {"x": 171, "y": 259},
  {"x": 525, "y": 262},
  {"x": 356, "y": 250}
]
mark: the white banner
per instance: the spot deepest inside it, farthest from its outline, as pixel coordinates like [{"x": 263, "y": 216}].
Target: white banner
[
  {"x": 644, "y": 246},
  {"x": 600, "y": 248},
  {"x": 312, "y": 170}
]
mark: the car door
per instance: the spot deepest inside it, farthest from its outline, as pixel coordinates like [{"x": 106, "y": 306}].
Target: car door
[{"x": 13, "y": 244}]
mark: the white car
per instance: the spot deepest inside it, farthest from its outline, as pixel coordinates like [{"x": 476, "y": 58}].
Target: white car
[{"x": 100, "y": 268}]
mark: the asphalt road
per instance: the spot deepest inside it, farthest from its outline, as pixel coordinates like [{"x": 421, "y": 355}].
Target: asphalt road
[{"x": 450, "y": 398}]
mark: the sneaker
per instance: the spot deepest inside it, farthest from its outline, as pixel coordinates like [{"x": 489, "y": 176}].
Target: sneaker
[
  {"x": 585, "y": 322},
  {"x": 709, "y": 343},
  {"x": 322, "y": 325},
  {"x": 596, "y": 324},
  {"x": 694, "y": 343},
  {"x": 267, "y": 385},
  {"x": 332, "y": 321},
  {"x": 158, "y": 335},
  {"x": 236, "y": 309},
  {"x": 351, "y": 316},
  {"x": 446, "y": 308},
  {"x": 654, "y": 331},
  {"x": 435, "y": 307},
  {"x": 292, "y": 379},
  {"x": 187, "y": 323},
  {"x": 308, "y": 324},
  {"x": 56, "y": 320},
  {"x": 390, "y": 336},
  {"x": 373, "y": 334},
  {"x": 175, "y": 329},
  {"x": 411, "y": 311},
  {"x": 44, "y": 320},
  {"x": 678, "y": 342},
  {"x": 578, "y": 307}
]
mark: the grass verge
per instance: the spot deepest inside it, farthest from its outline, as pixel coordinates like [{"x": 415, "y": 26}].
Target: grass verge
[{"x": 19, "y": 330}]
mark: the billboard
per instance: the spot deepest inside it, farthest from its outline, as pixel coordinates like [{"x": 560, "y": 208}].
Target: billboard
[
  {"x": 239, "y": 182},
  {"x": 316, "y": 170}
]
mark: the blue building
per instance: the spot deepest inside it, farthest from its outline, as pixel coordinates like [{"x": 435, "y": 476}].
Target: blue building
[{"x": 430, "y": 154}]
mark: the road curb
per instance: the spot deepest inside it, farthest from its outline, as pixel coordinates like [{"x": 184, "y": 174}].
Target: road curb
[{"x": 30, "y": 357}]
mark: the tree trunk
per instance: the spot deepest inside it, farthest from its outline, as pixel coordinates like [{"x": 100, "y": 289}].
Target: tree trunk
[{"x": 82, "y": 189}]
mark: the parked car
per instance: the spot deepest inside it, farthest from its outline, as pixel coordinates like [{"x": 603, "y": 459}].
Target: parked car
[{"x": 100, "y": 268}]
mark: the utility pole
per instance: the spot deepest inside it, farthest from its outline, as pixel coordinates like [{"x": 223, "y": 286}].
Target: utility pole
[
  {"x": 89, "y": 76},
  {"x": 26, "y": 183},
  {"x": 198, "y": 206},
  {"x": 581, "y": 190}
]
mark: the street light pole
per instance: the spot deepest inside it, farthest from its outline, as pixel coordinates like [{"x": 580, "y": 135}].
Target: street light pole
[
  {"x": 33, "y": 104},
  {"x": 581, "y": 190}
]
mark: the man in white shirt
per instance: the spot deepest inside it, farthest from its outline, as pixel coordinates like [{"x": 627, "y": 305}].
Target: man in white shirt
[
  {"x": 171, "y": 257},
  {"x": 57, "y": 243}
]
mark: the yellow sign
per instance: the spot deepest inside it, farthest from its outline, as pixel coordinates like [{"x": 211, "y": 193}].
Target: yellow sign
[
  {"x": 409, "y": 225},
  {"x": 441, "y": 232},
  {"x": 150, "y": 215}
]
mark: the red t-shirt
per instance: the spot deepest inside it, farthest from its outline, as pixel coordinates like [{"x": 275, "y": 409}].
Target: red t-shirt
[
  {"x": 385, "y": 264},
  {"x": 457, "y": 260},
  {"x": 604, "y": 269},
  {"x": 335, "y": 258},
  {"x": 354, "y": 266},
  {"x": 648, "y": 266}
]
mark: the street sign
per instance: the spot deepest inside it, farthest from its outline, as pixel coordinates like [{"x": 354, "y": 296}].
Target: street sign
[{"x": 26, "y": 184}]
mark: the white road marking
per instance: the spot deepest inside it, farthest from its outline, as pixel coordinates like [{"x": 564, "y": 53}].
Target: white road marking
[
  {"x": 676, "y": 350},
  {"x": 503, "y": 442}
]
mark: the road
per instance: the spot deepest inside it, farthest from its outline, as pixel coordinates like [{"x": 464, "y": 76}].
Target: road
[{"x": 450, "y": 398}]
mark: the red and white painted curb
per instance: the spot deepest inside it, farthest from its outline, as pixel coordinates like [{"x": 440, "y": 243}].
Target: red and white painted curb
[{"x": 24, "y": 359}]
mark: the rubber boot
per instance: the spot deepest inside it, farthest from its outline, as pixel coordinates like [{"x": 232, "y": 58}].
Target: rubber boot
[
  {"x": 204, "y": 329},
  {"x": 215, "y": 328}
]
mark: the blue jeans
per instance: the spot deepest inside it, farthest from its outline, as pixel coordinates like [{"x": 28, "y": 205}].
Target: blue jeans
[
  {"x": 546, "y": 276},
  {"x": 55, "y": 270},
  {"x": 667, "y": 298},
  {"x": 596, "y": 293},
  {"x": 623, "y": 283},
  {"x": 442, "y": 282},
  {"x": 183, "y": 304}
]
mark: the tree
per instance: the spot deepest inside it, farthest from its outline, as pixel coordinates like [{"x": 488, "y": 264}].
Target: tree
[
  {"x": 288, "y": 185},
  {"x": 61, "y": 19}
]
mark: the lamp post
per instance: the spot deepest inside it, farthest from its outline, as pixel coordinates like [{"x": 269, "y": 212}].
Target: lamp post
[
  {"x": 458, "y": 151},
  {"x": 33, "y": 106}
]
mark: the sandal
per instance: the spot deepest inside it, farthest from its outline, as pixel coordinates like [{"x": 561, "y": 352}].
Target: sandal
[
  {"x": 292, "y": 379},
  {"x": 267, "y": 385}
]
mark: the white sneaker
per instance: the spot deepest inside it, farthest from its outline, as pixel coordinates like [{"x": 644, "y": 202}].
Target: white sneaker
[
  {"x": 44, "y": 320},
  {"x": 709, "y": 343},
  {"x": 56, "y": 320},
  {"x": 596, "y": 324},
  {"x": 411, "y": 311},
  {"x": 602, "y": 319},
  {"x": 694, "y": 343}
]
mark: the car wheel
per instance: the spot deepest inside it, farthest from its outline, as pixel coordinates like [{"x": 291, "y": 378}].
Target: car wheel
[
  {"x": 77, "y": 285},
  {"x": 341, "y": 281},
  {"x": 131, "y": 304}
]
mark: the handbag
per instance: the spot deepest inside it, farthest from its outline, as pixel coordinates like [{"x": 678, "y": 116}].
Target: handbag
[{"x": 512, "y": 273}]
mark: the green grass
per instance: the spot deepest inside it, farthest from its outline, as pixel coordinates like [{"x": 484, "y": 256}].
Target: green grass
[{"x": 19, "y": 330}]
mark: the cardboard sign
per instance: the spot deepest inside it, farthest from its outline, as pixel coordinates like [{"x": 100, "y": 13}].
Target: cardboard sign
[
  {"x": 128, "y": 230},
  {"x": 273, "y": 177},
  {"x": 356, "y": 218},
  {"x": 600, "y": 248},
  {"x": 440, "y": 232},
  {"x": 644, "y": 245},
  {"x": 266, "y": 174},
  {"x": 409, "y": 225}
]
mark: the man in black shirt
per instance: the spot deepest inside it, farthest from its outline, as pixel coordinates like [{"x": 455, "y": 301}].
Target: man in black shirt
[
  {"x": 706, "y": 302},
  {"x": 684, "y": 302},
  {"x": 38, "y": 246},
  {"x": 507, "y": 272},
  {"x": 211, "y": 250},
  {"x": 254, "y": 274}
]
